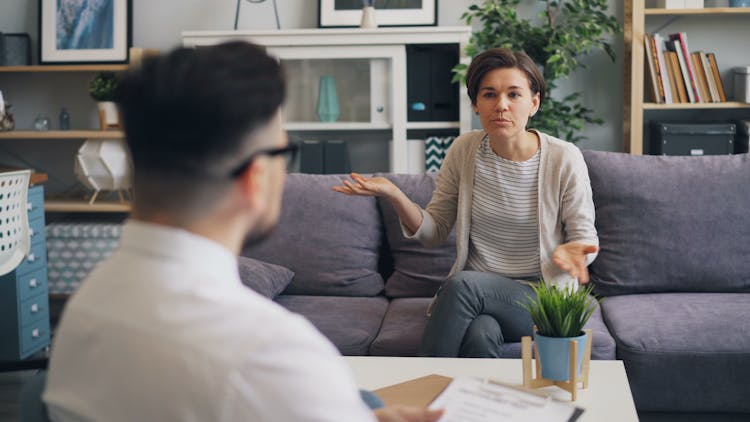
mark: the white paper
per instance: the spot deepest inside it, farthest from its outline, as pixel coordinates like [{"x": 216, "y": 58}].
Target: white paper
[{"x": 468, "y": 399}]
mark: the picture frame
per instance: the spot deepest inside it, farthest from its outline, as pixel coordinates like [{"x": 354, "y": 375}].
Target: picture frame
[
  {"x": 348, "y": 13},
  {"x": 104, "y": 36}
]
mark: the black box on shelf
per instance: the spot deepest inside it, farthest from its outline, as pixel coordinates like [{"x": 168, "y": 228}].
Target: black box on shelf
[
  {"x": 692, "y": 138},
  {"x": 15, "y": 49},
  {"x": 743, "y": 133},
  {"x": 324, "y": 157},
  {"x": 430, "y": 93},
  {"x": 311, "y": 157}
]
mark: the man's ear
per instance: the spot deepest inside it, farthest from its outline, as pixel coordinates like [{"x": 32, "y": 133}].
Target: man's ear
[{"x": 252, "y": 183}]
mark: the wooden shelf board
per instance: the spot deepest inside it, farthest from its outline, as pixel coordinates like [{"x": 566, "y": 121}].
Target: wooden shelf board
[
  {"x": 433, "y": 125},
  {"x": 312, "y": 126},
  {"x": 697, "y": 106},
  {"x": 66, "y": 68},
  {"x": 62, "y": 134},
  {"x": 83, "y": 206},
  {"x": 704, "y": 11}
]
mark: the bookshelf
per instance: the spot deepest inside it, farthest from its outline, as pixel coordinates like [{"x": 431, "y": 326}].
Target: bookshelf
[{"x": 636, "y": 106}]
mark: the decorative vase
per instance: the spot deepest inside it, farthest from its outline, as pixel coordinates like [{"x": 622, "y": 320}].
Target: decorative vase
[
  {"x": 554, "y": 355},
  {"x": 368, "y": 18},
  {"x": 109, "y": 116},
  {"x": 104, "y": 165},
  {"x": 328, "y": 102}
]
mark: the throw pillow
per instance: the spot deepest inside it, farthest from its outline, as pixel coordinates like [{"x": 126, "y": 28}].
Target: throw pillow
[{"x": 266, "y": 279}]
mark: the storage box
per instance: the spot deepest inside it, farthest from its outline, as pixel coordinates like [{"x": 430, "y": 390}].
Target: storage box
[
  {"x": 15, "y": 49},
  {"x": 74, "y": 249},
  {"x": 743, "y": 133},
  {"x": 692, "y": 139},
  {"x": 742, "y": 84}
]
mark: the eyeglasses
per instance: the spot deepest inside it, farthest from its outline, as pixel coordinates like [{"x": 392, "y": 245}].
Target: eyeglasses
[{"x": 289, "y": 152}]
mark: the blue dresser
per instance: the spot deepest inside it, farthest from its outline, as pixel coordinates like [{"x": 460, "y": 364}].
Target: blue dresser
[{"x": 24, "y": 303}]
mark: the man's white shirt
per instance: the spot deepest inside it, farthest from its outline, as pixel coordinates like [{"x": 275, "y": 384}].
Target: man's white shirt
[{"x": 165, "y": 330}]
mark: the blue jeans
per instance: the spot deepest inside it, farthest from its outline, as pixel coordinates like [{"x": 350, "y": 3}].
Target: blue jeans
[{"x": 474, "y": 314}]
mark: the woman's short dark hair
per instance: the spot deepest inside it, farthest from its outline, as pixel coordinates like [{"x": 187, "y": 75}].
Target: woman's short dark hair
[{"x": 503, "y": 58}]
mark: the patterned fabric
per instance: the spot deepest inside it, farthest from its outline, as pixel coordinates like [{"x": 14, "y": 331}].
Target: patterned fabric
[
  {"x": 434, "y": 152},
  {"x": 74, "y": 249},
  {"x": 504, "y": 231}
]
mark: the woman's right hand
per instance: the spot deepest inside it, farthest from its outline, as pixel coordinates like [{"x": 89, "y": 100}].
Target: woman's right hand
[{"x": 367, "y": 186}]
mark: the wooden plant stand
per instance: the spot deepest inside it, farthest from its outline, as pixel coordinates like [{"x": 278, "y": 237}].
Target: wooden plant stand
[{"x": 537, "y": 381}]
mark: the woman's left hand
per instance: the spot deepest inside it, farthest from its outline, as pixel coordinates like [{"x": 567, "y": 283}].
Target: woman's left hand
[{"x": 571, "y": 257}]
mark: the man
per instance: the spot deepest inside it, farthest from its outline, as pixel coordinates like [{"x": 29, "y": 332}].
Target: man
[{"x": 164, "y": 330}]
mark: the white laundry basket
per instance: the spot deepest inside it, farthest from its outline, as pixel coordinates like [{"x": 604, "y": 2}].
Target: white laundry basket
[{"x": 14, "y": 221}]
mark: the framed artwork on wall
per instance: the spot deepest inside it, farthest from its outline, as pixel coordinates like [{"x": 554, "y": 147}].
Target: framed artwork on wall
[
  {"x": 343, "y": 13},
  {"x": 84, "y": 31}
]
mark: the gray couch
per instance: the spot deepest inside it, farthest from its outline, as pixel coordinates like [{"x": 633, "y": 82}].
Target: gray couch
[{"x": 674, "y": 268}]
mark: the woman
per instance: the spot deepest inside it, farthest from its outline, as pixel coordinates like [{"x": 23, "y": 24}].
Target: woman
[{"x": 521, "y": 202}]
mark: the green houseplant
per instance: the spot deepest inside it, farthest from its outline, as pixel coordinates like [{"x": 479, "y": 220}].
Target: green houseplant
[
  {"x": 559, "y": 316},
  {"x": 102, "y": 89},
  {"x": 565, "y": 31}
]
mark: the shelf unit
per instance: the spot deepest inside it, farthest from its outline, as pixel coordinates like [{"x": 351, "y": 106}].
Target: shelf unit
[
  {"x": 62, "y": 134},
  {"x": 65, "y": 68},
  {"x": 634, "y": 77},
  {"x": 378, "y": 58}
]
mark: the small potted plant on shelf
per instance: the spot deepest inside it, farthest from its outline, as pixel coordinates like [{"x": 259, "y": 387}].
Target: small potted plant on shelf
[
  {"x": 559, "y": 315},
  {"x": 102, "y": 89}
]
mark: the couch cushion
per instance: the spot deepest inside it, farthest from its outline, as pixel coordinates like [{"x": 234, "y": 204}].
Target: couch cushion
[
  {"x": 405, "y": 321},
  {"x": 403, "y": 325},
  {"x": 418, "y": 271},
  {"x": 328, "y": 239},
  {"x": 687, "y": 352},
  {"x": 350, "y": 323},
  {"x": 670, "y": 224},
  {"x": 263, "y": 277}
]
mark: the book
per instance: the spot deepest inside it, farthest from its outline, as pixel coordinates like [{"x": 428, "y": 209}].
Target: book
[
  {"x": 682, "y": 38},
  {"x": 672, "y": 78},
  {"x": 654, "y": 91},
  {"x": 700, "y": 77},
  {"x": 658, "y": 42},
  {"x": 717, "y": 76},
  {"x": 677, "y": 48},
  {"x": 709, "y": 77},
  {"x": 677, "y": 75}
]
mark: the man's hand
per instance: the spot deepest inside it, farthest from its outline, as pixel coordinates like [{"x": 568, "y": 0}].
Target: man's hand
[
  {"x": 407, "y": 414},
  {"x": 571, "y": 257}
]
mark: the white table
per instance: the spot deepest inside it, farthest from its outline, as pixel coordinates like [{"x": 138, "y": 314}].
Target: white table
[{"x": 607, "y": 398}]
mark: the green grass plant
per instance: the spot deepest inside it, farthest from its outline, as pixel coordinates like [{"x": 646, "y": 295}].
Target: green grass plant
[{"x": 560, "y": 312}]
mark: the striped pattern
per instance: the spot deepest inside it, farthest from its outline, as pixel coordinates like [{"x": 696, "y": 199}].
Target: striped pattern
[
  {"x": 434, "y": 152},
  {"x": 504, "y": 232}
]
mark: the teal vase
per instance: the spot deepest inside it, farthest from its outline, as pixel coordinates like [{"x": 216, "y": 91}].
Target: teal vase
[
  {"x": 328, "y": 101},
  {"x": 554, "y": 356}
]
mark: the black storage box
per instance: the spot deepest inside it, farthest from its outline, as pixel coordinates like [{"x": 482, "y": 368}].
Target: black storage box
[
  {"x": 692, "y": 138},
  {"x": 15, "y": 49},
  {"x": 743, "y": 133}
]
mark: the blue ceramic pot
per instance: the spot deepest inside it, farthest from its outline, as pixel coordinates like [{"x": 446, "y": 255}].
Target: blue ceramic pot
[{"x": 554, "y": 355}]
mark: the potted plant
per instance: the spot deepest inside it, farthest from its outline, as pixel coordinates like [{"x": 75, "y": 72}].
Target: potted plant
[
  {"x": 559, "y": 316},
  {"x": 102, "y": 89},
  {"x": 565, "y": 32}
]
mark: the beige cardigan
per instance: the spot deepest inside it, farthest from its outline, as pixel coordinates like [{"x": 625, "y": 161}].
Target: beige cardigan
[{"x": 565, "y": 209}]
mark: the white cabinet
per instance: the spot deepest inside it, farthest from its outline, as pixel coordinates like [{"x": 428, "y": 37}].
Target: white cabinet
[{"x": 369, "y": 67}]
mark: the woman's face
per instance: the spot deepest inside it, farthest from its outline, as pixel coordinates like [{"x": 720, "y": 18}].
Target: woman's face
[{"x": 505, "y": 103}]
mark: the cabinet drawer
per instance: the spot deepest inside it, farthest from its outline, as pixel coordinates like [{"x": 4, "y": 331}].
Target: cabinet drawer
[
  {"x": 34, "y": 309},
  {"x": 34, "y": 337},
  {"x": 35, "y": 202},
  {"x": 36, "y": 230},
  {"x": 32, "y": 284},
  {"x": 36, "y": 259}
]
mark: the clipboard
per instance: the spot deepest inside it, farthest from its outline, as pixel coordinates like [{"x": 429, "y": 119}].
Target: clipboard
[{"x": 454, "y": 394}]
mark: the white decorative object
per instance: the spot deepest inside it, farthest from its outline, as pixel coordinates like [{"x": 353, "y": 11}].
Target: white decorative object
[
  {"x": 104, "y": 165},
  {"x": 368, "y": 18},
  {"x": 109, "y": 116}
]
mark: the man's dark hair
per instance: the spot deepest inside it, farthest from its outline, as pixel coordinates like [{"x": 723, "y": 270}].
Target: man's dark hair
[
  {"x": 187, "y": 117},
  {"x": 501, "y": 58}
]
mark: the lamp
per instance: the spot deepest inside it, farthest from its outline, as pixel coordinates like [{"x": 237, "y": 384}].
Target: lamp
[
  {"x": 104, "y": 164},
  {"x": 237, "y": 12}
]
